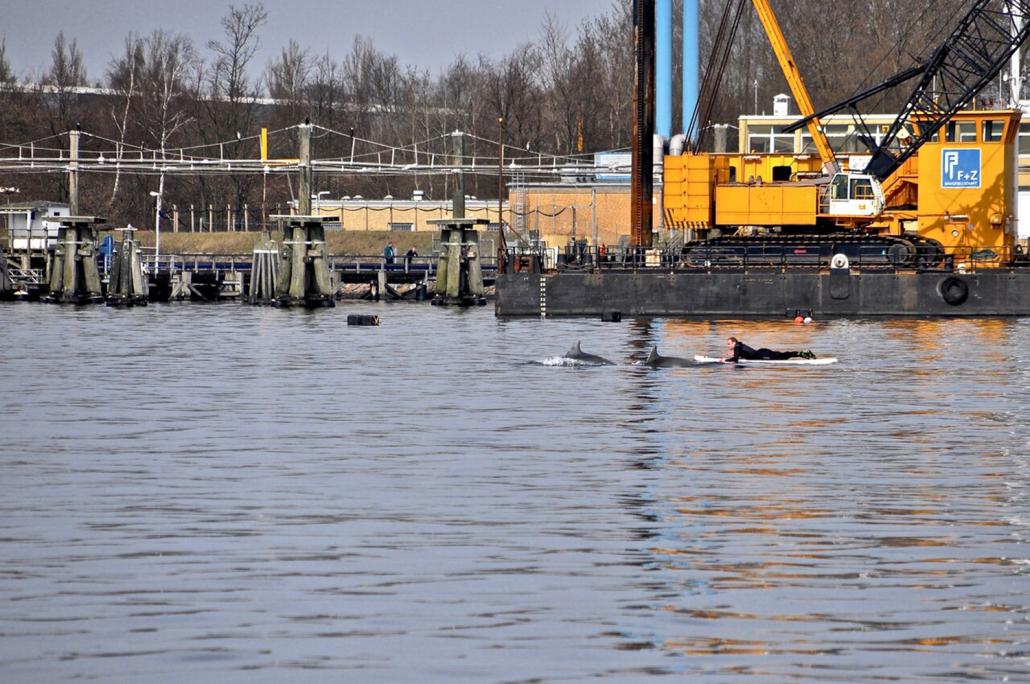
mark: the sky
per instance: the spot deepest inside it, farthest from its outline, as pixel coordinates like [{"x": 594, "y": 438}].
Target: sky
[{"x": 427, "y": 33}]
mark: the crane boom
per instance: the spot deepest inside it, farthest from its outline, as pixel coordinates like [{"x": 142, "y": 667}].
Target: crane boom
[
  {"x": 794, "y": 81},
  {"x": 963, "y": 65}
]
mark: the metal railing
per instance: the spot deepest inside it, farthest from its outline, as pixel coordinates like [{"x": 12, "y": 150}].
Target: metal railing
[
  {"x": 772, "y": 258},
  {"x": 372, "y": 263},
  {"x": 27, "y": 276}
]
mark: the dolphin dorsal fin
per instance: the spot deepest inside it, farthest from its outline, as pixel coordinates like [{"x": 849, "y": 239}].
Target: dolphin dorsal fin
[
  {"x": 575, "y": 349},
  {"x": 653, "y": 356}
]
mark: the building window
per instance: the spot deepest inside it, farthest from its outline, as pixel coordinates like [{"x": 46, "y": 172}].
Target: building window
[
  {"x": 840, "y": 187},
  {"x": 405, "y": 227},
  {"x": 1024, "y": 138},
  {"x": 861, "y": 189},
  {"x": 758, "y": 139},
  {"x": 758, "y": 144},
  {"x": 764, "y": 139},
  {"x": 960, "y": 131},
  {"x": 853, "y": 143},
  {"x": 836, "y": 136},
  {"x": 807, "y": 145},
  {"x": 783, "y": 143},
  {"x": 992, "y": 130}
]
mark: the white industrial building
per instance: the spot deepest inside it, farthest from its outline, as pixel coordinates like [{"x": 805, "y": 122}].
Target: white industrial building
[{"x": 31, "y": 225}]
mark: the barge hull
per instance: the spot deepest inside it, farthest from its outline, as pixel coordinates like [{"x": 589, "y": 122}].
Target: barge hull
[{"x": 1002, "y": 292}]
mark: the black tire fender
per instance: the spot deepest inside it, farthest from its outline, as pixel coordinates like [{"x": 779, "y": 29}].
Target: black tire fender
[{"x": 953, "y": 290}]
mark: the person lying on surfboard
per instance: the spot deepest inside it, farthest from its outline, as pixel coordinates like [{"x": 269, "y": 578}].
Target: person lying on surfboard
[{"x": 739, "y": 350}]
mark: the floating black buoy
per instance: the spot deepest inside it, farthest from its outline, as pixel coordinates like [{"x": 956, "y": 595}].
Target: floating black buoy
[{"x": 362, "y": 319}]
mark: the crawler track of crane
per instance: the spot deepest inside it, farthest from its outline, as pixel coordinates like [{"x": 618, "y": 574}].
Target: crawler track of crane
[{"x": 815, "y": 250}]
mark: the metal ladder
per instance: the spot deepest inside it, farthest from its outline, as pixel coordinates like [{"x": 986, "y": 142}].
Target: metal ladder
[{"x": 521, "y": 200}]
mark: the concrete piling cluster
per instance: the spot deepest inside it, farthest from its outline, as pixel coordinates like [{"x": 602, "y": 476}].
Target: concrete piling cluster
[
  {"x": 74, "y": 277},
  {"x": 303, "y": 272},
  {"x": 6, "y": 284},
  {"x": 459, "y": 276},
  {"x": 303, "y": 277},
  {"x": 127, "y": 285}
]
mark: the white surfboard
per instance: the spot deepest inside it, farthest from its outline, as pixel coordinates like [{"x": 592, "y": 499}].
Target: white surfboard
[{"x": 785, "y": 362}]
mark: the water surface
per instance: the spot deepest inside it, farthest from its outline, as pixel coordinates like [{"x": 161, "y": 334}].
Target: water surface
[{"x": 247, "y": 494}]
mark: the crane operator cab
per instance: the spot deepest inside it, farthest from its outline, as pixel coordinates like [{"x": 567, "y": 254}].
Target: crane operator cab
[{"x": 852, "y": 194}]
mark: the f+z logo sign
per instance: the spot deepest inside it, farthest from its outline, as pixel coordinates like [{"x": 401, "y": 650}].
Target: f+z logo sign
[{"x": 960, "y": 169}]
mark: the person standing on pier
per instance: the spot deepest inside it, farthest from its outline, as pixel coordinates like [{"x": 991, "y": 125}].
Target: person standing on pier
[{"x": 389, "y": 252}]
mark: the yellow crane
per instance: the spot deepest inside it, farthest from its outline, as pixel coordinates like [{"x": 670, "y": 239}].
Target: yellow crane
[
  {"x": 953, "y": 200},
  {"x": 795, "y": 83}
]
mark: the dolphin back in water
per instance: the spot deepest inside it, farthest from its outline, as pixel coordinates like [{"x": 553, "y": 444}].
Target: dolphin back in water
[
  {"x": 656, "y": 360},
  {"x": 576, "y": 353}
]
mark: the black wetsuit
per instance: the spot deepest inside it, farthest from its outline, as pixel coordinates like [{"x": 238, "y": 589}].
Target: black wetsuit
[{"x": 742, "y": 351}]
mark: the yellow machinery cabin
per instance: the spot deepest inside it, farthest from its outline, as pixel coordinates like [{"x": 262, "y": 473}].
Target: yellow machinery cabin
[
  {"x": 959, "y": 190},
  {"x": 766, "y": 204},
  {"x": 966, "y": 192},
  {"x": 704, "y": 191}
]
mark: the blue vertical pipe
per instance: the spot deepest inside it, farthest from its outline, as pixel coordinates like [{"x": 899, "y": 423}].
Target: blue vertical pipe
[
  {"x": 663, "y": 69},
  {"x": 691, "y": 60}
]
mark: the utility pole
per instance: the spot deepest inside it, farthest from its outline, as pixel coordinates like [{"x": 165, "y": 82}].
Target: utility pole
[
  {"x": 304, "y": 193},
  {"x": 159, "y": 195},
  {"x": 264, "y": 201},
  {"x": 74, "y": 277},
  {"x": 302, "y": 277},
  {"x": 458, "y": 203},
  {"x": 73, "y": 170},
  {"x": 593, "y": 214},
  {"x": 502, "y": 248}
]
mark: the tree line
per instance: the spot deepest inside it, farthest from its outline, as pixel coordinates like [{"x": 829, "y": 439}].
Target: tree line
[{"x": 567, "y": 92}]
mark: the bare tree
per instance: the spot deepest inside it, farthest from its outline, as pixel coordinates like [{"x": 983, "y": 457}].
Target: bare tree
[
  {"x": 165, "y": 87},
  {"x": 123, "y": 78},
  {"x": 558, "y": 62},
  {"x": 457, "y": 93},
  {"x": 372, "y": 80},
  {"x": 62, "y": 108},
  {"x": 6, "y": 75},
  {"x": 153, "y": 80},
  {"x": 288, "y": 77},
  {"x": 165, "y": 93},
  {"x": 614, "y": 32},
  {"x": 229, "y": 78},
  {"x": 66, "y": 68},
  {"x": 512, "y": 90},
  {"x": 13, "y": 121},
  {"x": 326, "y": 91},
  {"x": 230, "y": 107},
  {"x": 66, "y": 73}
]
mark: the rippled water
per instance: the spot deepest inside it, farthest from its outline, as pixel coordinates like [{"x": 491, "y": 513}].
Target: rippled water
[{"x": 247, "y": 494}]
